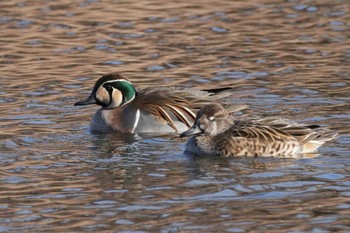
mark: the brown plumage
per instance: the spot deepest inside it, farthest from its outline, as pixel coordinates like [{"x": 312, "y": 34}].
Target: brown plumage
[
  {"x": 177, "y": 104},
  {"x": 216, "y": 133},
  {"x": 156, "y": 110}
]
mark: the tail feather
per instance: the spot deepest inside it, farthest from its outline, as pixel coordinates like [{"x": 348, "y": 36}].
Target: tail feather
[
  {"x": 326, "y": 135},
  {"x": 310, "y": 137},
  {"x": 321, "y": 136}
]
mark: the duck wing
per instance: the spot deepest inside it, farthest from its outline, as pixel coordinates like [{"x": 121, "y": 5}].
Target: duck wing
[
  {"x": 171, "y": 104},
  {"x": 300, "y": 132},
  {"x": 253, "y": 129}
]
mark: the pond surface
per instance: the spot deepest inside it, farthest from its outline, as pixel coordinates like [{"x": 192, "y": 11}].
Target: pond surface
[{"x": 283, "y": 58}]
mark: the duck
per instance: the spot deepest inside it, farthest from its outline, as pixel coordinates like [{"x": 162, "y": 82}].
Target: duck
[
  {"x": 216, "y": 132},
  {"x": 159, "y": 110}
]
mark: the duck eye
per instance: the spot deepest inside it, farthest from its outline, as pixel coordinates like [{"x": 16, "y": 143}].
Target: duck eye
[
  {"x": 211, "y": 118},
  {"x": 108, "y": 87}
]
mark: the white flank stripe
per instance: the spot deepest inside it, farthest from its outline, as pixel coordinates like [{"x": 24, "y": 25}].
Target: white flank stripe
[{"x": 137, "y": 118}]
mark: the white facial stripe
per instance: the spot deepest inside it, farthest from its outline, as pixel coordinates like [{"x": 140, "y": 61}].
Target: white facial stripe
[
  {"x": 116, "y": 80},
  {"x": 102, "y": 95},
  {"x": 137, "y": 118}
]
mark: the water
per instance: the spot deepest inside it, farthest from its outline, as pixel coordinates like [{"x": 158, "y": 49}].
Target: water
[{"x": 288, "y": 59}]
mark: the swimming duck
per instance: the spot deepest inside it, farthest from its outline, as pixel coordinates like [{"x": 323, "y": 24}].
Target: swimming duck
[
  {"x": 151, "y": 110},
  {"x": 216, "y": 133}
]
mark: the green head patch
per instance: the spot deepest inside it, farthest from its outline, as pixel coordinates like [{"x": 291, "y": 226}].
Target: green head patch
[{"x": 126, "y": 89}]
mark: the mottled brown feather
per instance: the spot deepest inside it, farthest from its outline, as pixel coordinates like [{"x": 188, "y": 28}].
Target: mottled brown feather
[
  {"x": 251, "y": 129},
  {"x": 265, "y": 137}
]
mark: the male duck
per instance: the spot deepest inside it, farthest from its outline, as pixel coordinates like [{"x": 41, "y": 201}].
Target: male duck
[
  {"x": 151, "y": 110},
  {"x": 216, "y": 133}
]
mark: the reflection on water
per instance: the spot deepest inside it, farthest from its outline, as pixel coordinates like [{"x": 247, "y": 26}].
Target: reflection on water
[{"x": 288, "y": 59}]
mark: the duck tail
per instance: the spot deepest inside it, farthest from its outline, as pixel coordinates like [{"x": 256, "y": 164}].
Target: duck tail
[
  {"x": 326, "y": 135},
  {"x": 317, "y": 138}
]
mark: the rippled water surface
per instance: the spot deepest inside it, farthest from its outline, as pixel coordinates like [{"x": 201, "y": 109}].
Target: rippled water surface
[{"x": 283, "y": 58}]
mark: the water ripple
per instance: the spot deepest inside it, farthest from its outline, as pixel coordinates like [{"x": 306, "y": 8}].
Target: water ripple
[{"x": 287, "y": 59}]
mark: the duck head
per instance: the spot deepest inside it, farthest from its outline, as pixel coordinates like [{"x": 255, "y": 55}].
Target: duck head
[
  {"x": 210, "y": 120},
  {"x": 110, "y": 91}
]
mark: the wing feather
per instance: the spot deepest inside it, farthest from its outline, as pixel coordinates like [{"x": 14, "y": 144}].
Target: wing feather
[
  {"x": 180, "y": 116},
  {"x": 166, "y": 116},
  {"x": 173, "y": 104},
  {"x": 251, "y": 129}
]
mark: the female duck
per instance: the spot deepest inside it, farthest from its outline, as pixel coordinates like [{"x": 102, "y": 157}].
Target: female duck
[
  {"x": 151, "y": 110},
  {"x": 216, "y": 133}
]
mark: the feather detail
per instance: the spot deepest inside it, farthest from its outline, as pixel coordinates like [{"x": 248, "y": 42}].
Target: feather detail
[
  {"x": 189, "y": 112},
  {"x": 166, "y": 116},
  {"x": 250, "y": 129},
  {"x": 179, "y": 115},
  {"x": 279, "y": 134},
  {"x": 186, "y": 110},
  {"x": 174, "y": 105},
  {"x": 309, "y": 137},
  {"x": 265, "y": 134}
]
